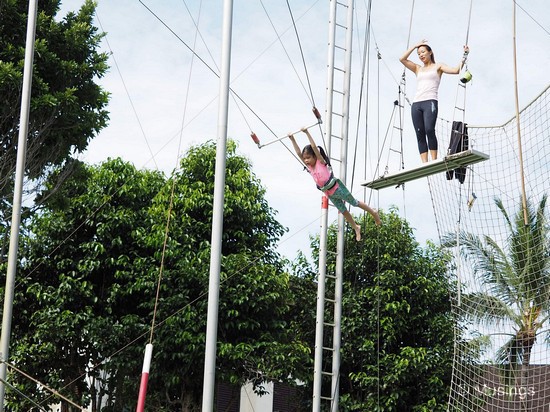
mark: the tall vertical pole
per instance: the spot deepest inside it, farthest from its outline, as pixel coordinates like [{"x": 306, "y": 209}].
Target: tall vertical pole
[
  {"x": 217, "y": 218},
  {"x": 336, "y": 339},
  {"x": 330, "y": 74},
  {"x": 17, "y": 197},
  {"x": 520, "y": 149},
  {"x": 320, "y": 315}
]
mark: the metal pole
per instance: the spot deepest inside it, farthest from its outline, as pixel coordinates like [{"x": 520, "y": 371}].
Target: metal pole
[
  {"x": 330, "y": 75},
  {"x": 518, "y": 124},
  {"x": 17, "y": 197},
  {"x": 217, "y": 218}
]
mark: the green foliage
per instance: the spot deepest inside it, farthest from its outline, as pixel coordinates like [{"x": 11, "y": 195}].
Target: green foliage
[
  {"x": 92, "y": 266},
  {"x": 67, "y": 106},
  {"x": 74, "y": 302},
  {"x": 397, "y": 329}
]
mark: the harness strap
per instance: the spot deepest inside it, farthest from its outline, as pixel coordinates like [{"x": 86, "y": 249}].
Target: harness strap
[{"x": 329, "y": 184}]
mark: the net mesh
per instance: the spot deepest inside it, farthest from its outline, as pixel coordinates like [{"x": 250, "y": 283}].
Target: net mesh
[{"x": 499, "y": 241}]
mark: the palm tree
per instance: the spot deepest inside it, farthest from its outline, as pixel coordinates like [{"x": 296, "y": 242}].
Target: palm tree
[{"x": 515, "y": 280}]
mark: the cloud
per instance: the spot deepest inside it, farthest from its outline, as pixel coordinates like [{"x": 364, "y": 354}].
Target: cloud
[{"x": 169, "y": 98}]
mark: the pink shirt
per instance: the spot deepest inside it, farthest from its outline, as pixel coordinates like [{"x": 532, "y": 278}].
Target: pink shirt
[{"x": 321, "y": 173}]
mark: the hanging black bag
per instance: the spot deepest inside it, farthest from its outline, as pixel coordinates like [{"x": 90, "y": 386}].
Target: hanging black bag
[{"x": 458, "y": 143}]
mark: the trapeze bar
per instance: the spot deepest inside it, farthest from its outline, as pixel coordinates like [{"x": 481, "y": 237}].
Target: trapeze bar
[
  {"x": 450, "y": 162},
  {"x": 278, "y": 139}
]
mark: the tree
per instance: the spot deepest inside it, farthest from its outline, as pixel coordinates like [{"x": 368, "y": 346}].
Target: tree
[
  {"x": 92, "y": 267},
  {"x": 255, "y": 343},
  {"x": 397, "y": 328},
  {"x": 67, "y": 106},
  {"x": 81, "y": 250},
  {"x": 516, "y": 280}
]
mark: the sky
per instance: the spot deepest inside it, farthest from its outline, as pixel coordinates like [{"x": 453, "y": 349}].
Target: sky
[{"x": 164, "y": 98}]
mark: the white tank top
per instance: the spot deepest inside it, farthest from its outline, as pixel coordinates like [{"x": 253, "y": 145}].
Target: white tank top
[{"x": 427, "y": 84}]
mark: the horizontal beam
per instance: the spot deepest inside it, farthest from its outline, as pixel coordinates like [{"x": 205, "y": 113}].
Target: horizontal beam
[{"x": 450, "y": 162}]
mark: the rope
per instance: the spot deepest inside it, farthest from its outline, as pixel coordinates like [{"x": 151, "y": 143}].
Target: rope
[
  {"x": 469, "y": 19},
  {"x": 13, "y": 388},
  {"x": 410, "y": 25},
  {"x": 53, "y": 391},
  {"x": 161, "y": 270},
  {"x": 171, "y": 204},
  {"x": 111, "y": 53},
  {"x": 408, "y": 38},
  {"x": 532, "y": 18},
  {"x": 302, "y": 53},
  {"x": 235, "y": 94},
  {"x": 364, "y": 69}
]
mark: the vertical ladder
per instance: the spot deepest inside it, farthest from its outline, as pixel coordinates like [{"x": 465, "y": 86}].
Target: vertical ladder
[
  {"x": 398, "y": 122},
  {"x": 460, "y": 108},
  {"x": 327, "y": 348}
]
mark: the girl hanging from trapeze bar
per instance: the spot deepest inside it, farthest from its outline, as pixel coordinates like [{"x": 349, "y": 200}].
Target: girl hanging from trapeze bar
[
  {"x": 318, "y": 165},
  {"x": 424, "y": 108}
]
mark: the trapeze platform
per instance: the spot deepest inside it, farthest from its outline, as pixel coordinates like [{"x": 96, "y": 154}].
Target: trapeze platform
[{"x": 450, "y": 162}]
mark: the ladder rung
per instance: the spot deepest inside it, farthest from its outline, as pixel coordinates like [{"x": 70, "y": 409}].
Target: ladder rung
[
  {"x": 327, "y": 348},
  {"x": 340, "y": 70},
  {"x": 337, "y": 91},
  {"x": 330, "y": 300},
  {"x": 326, "y": 373},
  {"x": 331, "y": 276},
  {"x": 339, "y": 47},
  {"x": 328, "y": 324},
  {"x": 338, "y": 114},
  {"x": 327, "y": 398}
]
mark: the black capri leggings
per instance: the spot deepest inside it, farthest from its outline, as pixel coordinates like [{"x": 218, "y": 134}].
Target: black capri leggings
[{"x": 424, "y": 116}]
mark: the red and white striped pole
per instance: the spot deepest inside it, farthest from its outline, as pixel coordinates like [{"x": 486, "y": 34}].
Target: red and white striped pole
[{"x": 144, "y": 377}]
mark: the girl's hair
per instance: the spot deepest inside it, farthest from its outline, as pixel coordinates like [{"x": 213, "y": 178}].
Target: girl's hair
[
  {"x": 309, "y": 150},
  {"x": 432, "y": 57}
]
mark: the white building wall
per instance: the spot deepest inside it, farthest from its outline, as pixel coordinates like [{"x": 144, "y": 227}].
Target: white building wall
[{"x": 250, "y": 402}]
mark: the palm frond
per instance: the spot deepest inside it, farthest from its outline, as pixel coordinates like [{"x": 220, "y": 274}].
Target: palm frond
[
  {"x": 487, "y": 310},
  {"x": 515, "y": 277}
]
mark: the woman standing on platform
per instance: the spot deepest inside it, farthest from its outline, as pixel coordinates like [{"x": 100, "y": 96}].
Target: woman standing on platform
[{"x": 424, "y": 108}]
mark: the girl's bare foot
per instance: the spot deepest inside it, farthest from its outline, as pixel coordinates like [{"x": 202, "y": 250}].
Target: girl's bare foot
[
  {"x": 376, "y": 217},
  {"x": 357, "y": 233}
]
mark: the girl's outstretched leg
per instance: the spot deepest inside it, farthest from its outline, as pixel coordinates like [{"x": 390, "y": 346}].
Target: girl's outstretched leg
[
  {"x": 355, "y": 226},
  {"x": 371, "y": 211}
]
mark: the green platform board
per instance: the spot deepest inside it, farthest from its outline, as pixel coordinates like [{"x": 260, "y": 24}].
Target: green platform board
[{"x": 450, "y": 162}]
